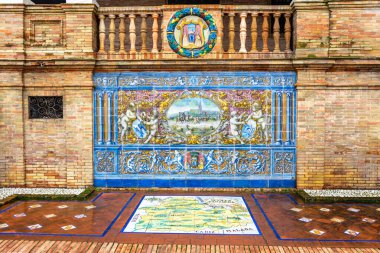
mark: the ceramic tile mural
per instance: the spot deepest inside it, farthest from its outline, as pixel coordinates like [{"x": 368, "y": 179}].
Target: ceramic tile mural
[{"x": 203, "y": 129}]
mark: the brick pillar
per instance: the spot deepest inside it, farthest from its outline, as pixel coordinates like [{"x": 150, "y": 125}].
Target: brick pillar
[
  {"x": 79, "y": 117},
  {"x": 311, "y": 28},
  {"x": 311, "y": 85},
  {"x": 12, "y": 167}
]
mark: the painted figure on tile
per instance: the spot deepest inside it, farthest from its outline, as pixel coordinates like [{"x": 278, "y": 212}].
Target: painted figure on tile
[
  {"x": 152, "y": 123},
  {"x": 258, "y": 119},
  {"x": 235, "y": 122},
  {"x": 177, "y": 160},
  {"x": 191, "y": 32},
  {"x": 127, "y": 119}
]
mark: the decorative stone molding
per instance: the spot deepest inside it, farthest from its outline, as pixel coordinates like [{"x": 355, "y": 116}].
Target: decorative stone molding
[
  {"x": 28, "y": 2},
  {"x": 82, "y": 2}
]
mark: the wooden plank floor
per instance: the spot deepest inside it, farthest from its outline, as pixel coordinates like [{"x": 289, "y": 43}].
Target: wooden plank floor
[{"x": 26, "y": 246}]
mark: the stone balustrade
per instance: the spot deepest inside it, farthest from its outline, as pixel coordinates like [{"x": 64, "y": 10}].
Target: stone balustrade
[{"x": 245, "y": 31}]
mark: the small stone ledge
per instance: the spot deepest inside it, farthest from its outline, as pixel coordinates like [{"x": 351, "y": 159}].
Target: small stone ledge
[
  {"x": 8, "y": 195},
  {"x": 340, "y": 195}
]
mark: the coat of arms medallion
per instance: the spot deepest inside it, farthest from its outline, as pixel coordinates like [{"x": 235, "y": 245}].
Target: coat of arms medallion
[{"x": 192, "y": 32}]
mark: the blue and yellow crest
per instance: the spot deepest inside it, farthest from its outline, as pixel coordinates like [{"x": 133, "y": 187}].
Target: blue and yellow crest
[{"x": 192, "y": 32}]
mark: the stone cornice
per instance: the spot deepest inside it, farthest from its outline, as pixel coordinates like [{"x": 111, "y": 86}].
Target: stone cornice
[
  {"x": 12, "y": 8},
  {"x": 308, "y": 5},
  {"x": 362, "y": 4},
  {"x": 176, "y": 65}
]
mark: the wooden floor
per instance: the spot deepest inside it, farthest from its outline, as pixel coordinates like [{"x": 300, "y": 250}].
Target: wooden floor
[{"x": 70, "y": 246}]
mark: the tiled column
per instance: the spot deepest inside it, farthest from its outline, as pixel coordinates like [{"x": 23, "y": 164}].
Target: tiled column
[
  {"x": 288, "y": 118},
  {"x": 109, "y": 114},
  {"x": 279, "y": 118},
  {"x": 100, "y": 116}
]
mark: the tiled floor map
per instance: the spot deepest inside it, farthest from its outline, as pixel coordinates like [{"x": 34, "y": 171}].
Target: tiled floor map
[
  {"x": 192, "y": 214},
  {"x": 69, "y": 218},
  {"x": 291, "y": 220}
]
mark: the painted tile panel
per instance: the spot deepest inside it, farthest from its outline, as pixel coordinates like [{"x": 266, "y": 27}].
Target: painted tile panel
[{"x": 194, "y": 125}]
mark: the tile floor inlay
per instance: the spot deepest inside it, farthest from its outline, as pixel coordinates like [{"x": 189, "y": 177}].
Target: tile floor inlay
[
  {"x": 192, "y": 214},
  {"x": 68, "y": 218},
  {"x": 291, "y": 220}
]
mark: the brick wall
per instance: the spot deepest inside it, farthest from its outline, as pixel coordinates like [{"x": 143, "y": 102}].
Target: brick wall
[
  {"x": 338, "y": 122},
  {"x": 338, "y": 128},
  {"x": 58, "y": 152},
  {"x": 354, "y": 32}
]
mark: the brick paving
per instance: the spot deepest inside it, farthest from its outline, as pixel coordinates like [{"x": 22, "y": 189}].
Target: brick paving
[{"x": 87, "y": 247}]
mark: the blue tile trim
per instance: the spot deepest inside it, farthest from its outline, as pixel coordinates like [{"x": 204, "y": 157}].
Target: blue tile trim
[
  {"x": 299, "y": 239},
  {"x": 202, "y": 182},
  {"x": 245, "y": 202},
  {"x": 277, "y": 80},
  {"x": 70, "y": 235}
]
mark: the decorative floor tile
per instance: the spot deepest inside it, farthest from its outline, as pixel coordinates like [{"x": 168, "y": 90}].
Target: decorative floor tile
[
  {"x": 4, "y": 225},
  {"x": 18, "y": 215},
  {"x": 35, "y": 226},
  {"x": 317, "y": 232},
  {"x": 58, "y": 220},
  {"x": 338, "y": 220},
  {"x": 50, "y": 216},
  {"x": 304, "y": 219},
  {"x": 295, "y": 209},
  {"x": 334, "y": 224},
  {"x": 355, "y": 210},
  {"x": 192, "y": 214},
  {"x": 68, "y": 227},
  {"x": 351, "y": 232},
  {"x": 369, "y": 220},
  {"x": 35, "y": 206},
  {"x": 80, "y": 216}
]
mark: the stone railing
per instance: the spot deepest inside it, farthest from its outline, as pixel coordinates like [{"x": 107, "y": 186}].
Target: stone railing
[{"x": 244, "y": 31}]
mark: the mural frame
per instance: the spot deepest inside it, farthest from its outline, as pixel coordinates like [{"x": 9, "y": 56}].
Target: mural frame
[{"x": 280, "y": 151}]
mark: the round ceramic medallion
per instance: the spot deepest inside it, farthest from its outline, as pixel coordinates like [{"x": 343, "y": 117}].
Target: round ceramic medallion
[{"x": 192, "y": 32}]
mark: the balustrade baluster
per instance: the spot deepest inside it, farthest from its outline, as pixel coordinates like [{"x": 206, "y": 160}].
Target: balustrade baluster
[
  {"x": 122, "y": 34},
  {"x": 221, "y": 34},
  {"x": 102, "y": 34},
  {"x": 254, "y": 32},
  {"x": 143, "y": 33},
  {"x": 265, "y": 32},
  {"x": 111, "y": 34},
  {"x": 287, "y": 32},
  {"x": 276, "y": 32},
  {"x": 132, "y": 33},
  {"x": 243, "y": 32},
  {"x": 231, "y": 34},
  {"x": 155, "y": 32}
]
